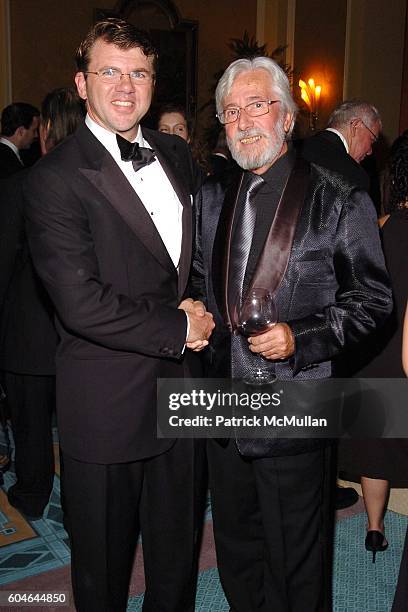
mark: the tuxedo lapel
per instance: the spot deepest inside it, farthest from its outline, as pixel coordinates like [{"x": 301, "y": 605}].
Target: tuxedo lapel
[
  {"x": 111, "y": 182},
  {"x": 169, "y": 161},
  {"x": 106, "y": 176},
  {"x": 273, "y": 261},
  {"x": 222, "y": 247}
]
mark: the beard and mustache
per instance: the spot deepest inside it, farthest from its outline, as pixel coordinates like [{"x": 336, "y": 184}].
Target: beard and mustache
[{"x": 261, "y": 153}]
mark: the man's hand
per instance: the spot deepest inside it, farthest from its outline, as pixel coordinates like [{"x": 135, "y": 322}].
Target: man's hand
[
  {"x": 201, "y": 324},
  {"x": 194, "y": 306},
  {"x": 276, "y": 343}
]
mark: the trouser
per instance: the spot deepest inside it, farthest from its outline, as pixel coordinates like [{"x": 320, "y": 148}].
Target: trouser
[
  {"x": 31, "y": 400},
  {"x": 270, "y": 529},
  {"x": 106, "y": 507}
]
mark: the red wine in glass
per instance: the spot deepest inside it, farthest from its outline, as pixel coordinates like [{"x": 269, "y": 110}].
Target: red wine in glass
[{"x": 257, "y": 314}]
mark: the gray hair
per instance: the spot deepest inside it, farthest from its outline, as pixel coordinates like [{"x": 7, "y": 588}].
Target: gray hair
[
  {"x": 280, "y": 83},
  {"x": 354, "y": 109}
]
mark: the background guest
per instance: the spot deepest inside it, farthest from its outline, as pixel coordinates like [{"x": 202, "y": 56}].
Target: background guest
[
  {"x": 382, "y": 461},
  {"x": 27, "y": 335},
  {"x": 173, "y": 119},
  {"x": 220, "y": 158},
  {"x": 352, "y": 129},
  {"x": 19, "y": 128}
]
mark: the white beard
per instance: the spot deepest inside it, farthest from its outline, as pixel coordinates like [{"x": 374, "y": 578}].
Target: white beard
[{"x": 253, "y": 159}]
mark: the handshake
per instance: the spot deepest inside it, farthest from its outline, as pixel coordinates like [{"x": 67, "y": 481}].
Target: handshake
[{"x": 201, "y": 324}]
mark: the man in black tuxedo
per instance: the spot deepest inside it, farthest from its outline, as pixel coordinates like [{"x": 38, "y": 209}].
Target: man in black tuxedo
[
  {"x": 311, "y": 238},
  {"x": 19, "y": 128},
  {"x": 353, "y": 128},
  {"x": 109, "y": 221}
]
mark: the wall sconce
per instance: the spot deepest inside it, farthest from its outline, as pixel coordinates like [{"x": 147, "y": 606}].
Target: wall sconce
[{"x": 310, "y": 94}]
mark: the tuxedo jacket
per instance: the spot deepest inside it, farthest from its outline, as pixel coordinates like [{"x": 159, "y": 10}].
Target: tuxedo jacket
[
  {"x": 115, "y": 291},
  {"x": 9, "y": 162},
  {"x": 28, "y": 338},
  {"x": 326, "y": 149},
  {"x": 335, "y": 290}
]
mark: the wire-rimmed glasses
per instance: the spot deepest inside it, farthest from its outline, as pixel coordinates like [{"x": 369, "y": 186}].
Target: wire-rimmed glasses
[
  {"x": 114, "y": 75},
  {"x": 254, "y": 109}
]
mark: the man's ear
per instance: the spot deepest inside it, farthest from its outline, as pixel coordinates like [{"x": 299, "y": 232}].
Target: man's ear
[
  {"x": 287, "y": 124},
  {"x": 19, "y": 131},
  {"x": 80, "y": 82},
  {"x": 353, "y": 126}
]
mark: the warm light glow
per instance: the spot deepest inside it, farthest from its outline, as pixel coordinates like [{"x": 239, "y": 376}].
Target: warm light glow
[
  {"x": 310, "y": 94},
  {"x": 305, "y": 98}
]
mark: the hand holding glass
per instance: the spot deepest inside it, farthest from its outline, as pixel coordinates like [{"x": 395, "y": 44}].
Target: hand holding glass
[{"x": 257, "y": 314}]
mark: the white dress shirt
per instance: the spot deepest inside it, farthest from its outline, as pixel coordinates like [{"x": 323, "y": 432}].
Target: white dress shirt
[
  {"x": 340, "y": 135},
  {"x": 153, "y": 188}
]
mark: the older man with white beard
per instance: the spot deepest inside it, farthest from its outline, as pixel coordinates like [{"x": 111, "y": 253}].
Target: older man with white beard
[{"x": 311, "y": 239}]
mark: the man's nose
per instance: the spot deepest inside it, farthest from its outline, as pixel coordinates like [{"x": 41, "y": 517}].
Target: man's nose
[
  {"x": 125, "y": 83},
  {"x": 244, "y": 120}
]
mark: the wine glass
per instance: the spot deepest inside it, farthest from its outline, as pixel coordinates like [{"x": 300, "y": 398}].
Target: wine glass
[{"x": 257, "y": 314}]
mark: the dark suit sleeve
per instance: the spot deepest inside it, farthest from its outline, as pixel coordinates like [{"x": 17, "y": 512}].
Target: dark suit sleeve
[
  {"x": 63, "y": 252},
  {"x": 363, "y": 299},
  {"x": 11, "y": 230}
]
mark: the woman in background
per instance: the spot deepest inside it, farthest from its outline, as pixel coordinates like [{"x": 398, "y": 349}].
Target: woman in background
[
  {"x": 384, "y": 461},
  {"x": 173, "y": 119}
]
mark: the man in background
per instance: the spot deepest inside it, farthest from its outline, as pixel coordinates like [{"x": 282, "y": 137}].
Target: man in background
[
  {"x": 352, "y": 130},
  {"x": 19, "y": 128},
  {"x": 28, "y": 339}
]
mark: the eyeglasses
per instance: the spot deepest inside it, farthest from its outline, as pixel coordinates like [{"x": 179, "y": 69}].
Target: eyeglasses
[
  {"x": 255, "y": 109},
  {"x": 114, "y": 75},
  {"x": 375, "y": 137}
]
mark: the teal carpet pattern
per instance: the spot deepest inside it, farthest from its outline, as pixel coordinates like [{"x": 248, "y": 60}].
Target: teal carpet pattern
[
  {"x": 47, "y": 550},
  {"x": 359, "y": 585}
]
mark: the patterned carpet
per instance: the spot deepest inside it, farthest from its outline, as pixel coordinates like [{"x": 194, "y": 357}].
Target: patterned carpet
[
  {"x": 359, "y": 585},
  {"x": 39, "y": 550}
]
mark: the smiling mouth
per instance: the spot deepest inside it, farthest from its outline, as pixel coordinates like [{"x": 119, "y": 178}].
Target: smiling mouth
[
  {"x": 250, "y": 140},
  {"x": 122, "y": 103}
]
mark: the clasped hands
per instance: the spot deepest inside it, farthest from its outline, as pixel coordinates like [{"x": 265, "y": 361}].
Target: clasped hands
[
  {"x": 201, "y": 324},
  {"x": 277, "y": 343}
]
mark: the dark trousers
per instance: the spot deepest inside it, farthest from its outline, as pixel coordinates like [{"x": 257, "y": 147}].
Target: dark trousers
[
  {"x": 31, "y": 400},
  {"x": 269, "y": 528},
  {"x": 106, "y": 508}
]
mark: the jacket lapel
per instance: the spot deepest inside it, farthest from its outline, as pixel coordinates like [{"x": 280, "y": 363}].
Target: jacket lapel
[
  {"x": 275, "y": 255},
  {"x": 222, "y": 247},
  {"x": 169, "y": 161},
  {"x": 106, "y": 176}
]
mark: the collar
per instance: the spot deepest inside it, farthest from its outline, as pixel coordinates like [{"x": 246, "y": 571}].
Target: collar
[
  {"x": 340, "y": 135},
  {"x": 280, "y": 169},
  {"x": 12, "y": 146},
  {"x": 108, "y": 139}
]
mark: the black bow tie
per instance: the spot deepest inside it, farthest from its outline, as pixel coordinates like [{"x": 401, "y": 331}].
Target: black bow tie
[{"x": 131, "y": 151}]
